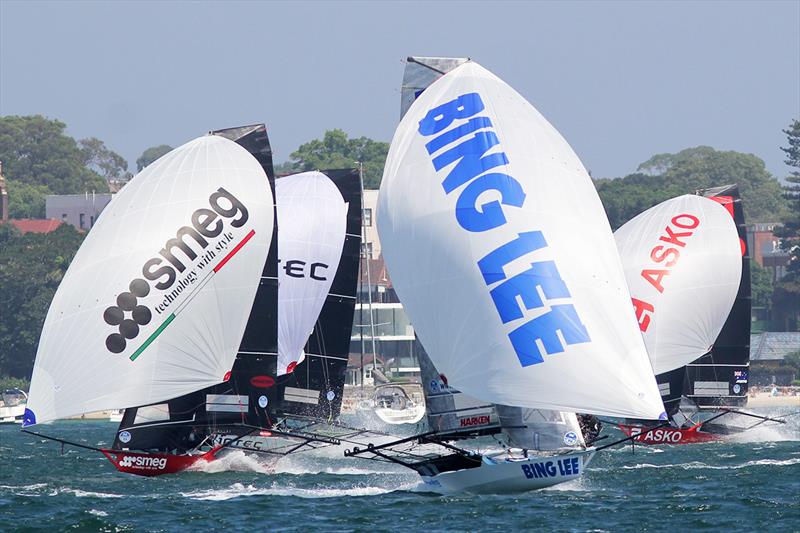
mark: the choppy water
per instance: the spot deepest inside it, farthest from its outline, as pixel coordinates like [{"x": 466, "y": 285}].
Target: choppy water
[{"x": 749, "y": 485}]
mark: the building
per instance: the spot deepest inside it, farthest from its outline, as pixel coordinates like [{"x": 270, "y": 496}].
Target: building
[
  {"x": 79, "y": 210},
  {"x": 765, "y": 248},
  {"x": 768, "y": 353},
  {"x": 372, "y": 243}
]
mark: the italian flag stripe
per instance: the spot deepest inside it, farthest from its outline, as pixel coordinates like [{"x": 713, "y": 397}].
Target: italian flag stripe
[
  {"x": 152, "y": 337},
  {"x": 191, "y": 295}
]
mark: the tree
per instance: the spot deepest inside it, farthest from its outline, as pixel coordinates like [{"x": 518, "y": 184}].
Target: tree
[
  {"x": 36, "y": 151},
  {"x": 151, "y": 154},
  {"x": 25, "y": 200},
  {"x": 31, "y": 267},
  {"x": 105, "y": 162},
  {"x": 790, "y": 232},
  {"x": 39, "y": 159},
  {"x": 335, "y": 150},
  {"x": 760, "y": 285},
  {"x": 786, "y": 298},
  {"x": 665, "y": 176}
]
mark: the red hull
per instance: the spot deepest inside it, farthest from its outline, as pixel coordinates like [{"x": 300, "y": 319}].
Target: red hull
[
  {"x": 667, "y": 435},
  {"x": 154, "y": 464}
]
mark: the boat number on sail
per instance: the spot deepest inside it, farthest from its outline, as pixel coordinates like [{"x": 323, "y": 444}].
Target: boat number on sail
[
  {"x": 676, "y": 236},
  {"x": 476, "y": 137},
  {"x": 187, "y": 268},
  {"x": 569, "y": 466}
]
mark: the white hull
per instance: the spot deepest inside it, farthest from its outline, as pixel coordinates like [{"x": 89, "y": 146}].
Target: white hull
[
  {"x": 12, "y": 414},
  {"x": 410, "y": 415},
  {"x": 513, "y": 475}
]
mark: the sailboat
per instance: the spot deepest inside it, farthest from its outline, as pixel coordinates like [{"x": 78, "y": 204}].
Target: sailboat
[
  {"x": 157, "y": 300},
  {"x": 500, "y": 250},
  {"x": 688, "y": 269},
  {"x": 192, "y": 345}
]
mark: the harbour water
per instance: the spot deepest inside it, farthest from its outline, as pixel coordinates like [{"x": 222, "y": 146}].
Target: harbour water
[{"x": 751, "y": 484}]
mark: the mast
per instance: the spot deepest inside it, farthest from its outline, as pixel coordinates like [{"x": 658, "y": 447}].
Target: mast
[{"x": 369, "y": 279}]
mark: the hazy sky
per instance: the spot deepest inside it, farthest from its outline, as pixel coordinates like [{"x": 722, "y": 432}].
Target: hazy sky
[{"x": 621, "y": 80}]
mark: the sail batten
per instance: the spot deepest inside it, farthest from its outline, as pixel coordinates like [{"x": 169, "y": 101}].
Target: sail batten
[{"x": 501, "y": 253}]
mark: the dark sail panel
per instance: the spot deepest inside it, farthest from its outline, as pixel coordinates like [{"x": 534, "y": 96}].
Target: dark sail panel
[
  {"x": 720, "y": 377},
  {"x": 316, "y": 385}
]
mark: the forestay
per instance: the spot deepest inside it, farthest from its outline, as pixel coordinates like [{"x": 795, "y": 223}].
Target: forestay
[
  {"x": 683, "y": 263},
  {"x": 501, "y": 252},
  {"x": 156, "y": 300},
  {"x": 312, "y": 218}
]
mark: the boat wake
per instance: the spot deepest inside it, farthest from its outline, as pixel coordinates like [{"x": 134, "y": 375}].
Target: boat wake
[
  {"x": 239, "y": 490},
  {"x": 237, "y": 461},
  {"x": 696, "y": 465}
]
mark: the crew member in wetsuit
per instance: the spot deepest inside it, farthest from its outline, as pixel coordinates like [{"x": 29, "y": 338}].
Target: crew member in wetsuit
[{"x": 590, "y": 427}]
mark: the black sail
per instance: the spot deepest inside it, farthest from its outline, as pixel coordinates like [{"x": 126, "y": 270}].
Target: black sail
[{"x": 180, "y": 424}]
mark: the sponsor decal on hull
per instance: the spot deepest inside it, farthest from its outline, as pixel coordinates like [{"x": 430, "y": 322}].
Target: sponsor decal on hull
[{"x": 668, "y": 435}]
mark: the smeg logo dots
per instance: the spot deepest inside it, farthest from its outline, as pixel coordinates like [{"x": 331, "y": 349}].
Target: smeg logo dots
[{"x": 128, "y": 315}]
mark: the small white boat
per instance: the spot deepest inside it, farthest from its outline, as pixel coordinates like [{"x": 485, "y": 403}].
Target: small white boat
[
  {"x": 394, "y": 406},
  {"x": 12, "y": 406}
]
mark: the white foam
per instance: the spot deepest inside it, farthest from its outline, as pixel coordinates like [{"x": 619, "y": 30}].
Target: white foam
[
  {"x": 238, "y": 490},
  {"x": 96, "y": 512},
  {"x": 83, "y": 493},
  {"x": 237, "y": 461},
  {"x": 696, "y": 465}
]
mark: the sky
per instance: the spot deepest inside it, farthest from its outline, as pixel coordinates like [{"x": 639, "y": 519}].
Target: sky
[{"x": 621, "y": 81}]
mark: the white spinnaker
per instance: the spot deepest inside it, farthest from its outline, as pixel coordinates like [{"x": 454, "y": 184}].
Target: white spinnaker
[
  {"x": 683, "y": 263},
  {"x": 210, "y": 183},
  {"x": 312, "y": 220},
  {"x": 433, "y": 260}
]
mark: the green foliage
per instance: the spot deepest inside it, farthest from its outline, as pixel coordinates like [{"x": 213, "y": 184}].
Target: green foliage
[
  {"x": 36, "y": 151},
  {"x": 105, "y": 162},
  {"x": 335, "y": 150},
  {"x": 761, "y": 285},
  {"x": 665, "y": 176},
  {"x": 790, "y": 232},
  {"x": 151, "y": 154},
  {"x": 31, "y": 267},
  {"x": 8, "y": 382},
  {"x": 793, "y": 359},
  {"x": 786, "y": 298},
  {"x": 26, "y": 200}
]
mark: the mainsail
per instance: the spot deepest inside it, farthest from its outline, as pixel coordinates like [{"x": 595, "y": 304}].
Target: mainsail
[
  {"x": 420, "y": 72},
  {"x": 461, "y": 262},
  {"x": 157, "y": 299},
  {"x": 683, "y": 264},
  {"x": 719, "y": 377}
]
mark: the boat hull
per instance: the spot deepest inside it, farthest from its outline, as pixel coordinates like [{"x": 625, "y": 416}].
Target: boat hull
[
  {"x": 668, "y": 435},
  {"x": 513, "y": 476},
  {"x": 155, "y": 464}
]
